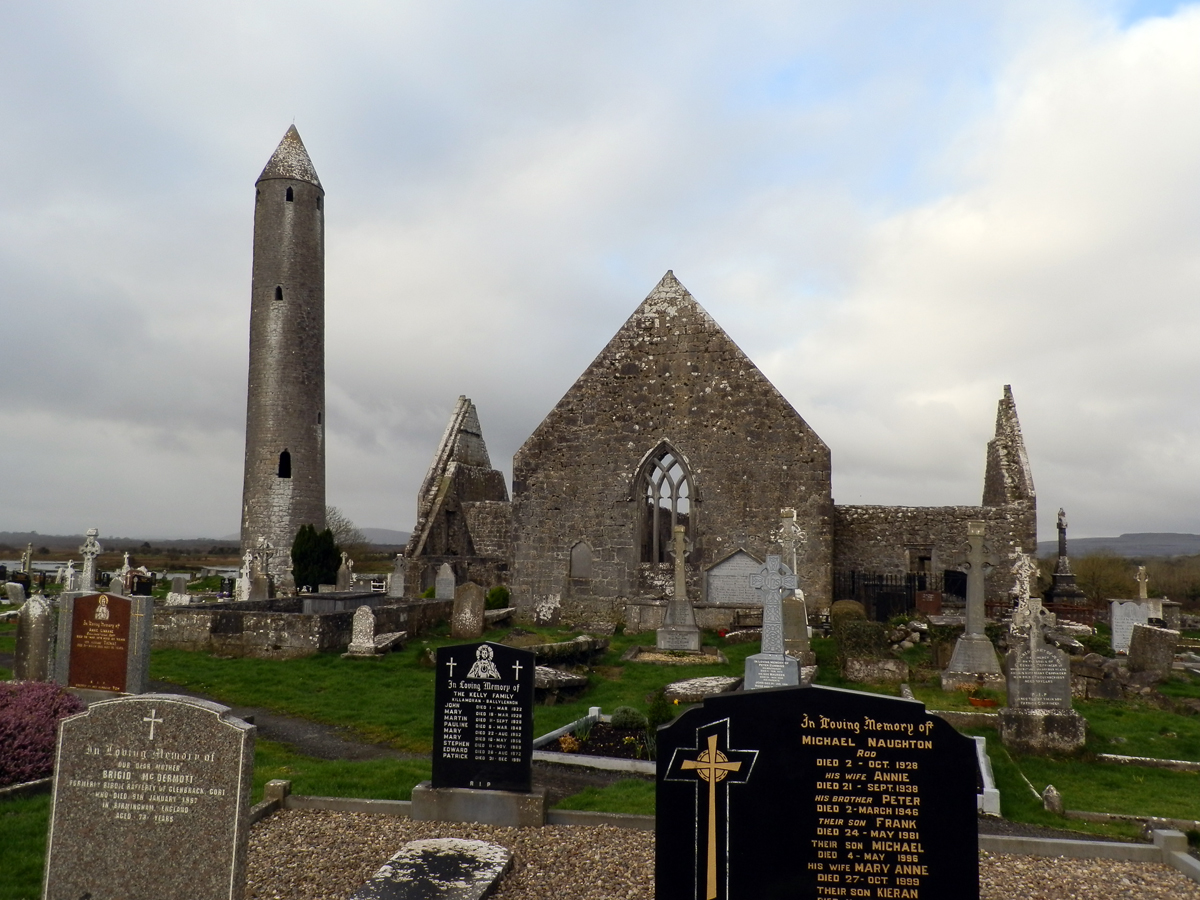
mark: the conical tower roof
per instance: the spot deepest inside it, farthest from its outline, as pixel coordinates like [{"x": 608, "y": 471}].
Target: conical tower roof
[{"x": 290, "y": 160}]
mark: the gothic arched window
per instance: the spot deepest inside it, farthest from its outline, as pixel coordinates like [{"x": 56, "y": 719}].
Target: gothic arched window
[{"x": 664, "y": 494}]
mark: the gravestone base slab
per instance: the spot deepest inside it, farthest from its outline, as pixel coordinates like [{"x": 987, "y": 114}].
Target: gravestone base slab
[
  {"x": 964, "y": 681},
  {"x": 770, "y": 670},
  {"x": 678, "y": 638},
  {"x": 974, "y": 656},
  {"x": 1041, "y": 732},
  {"x": 361, "y": 651},
  {"x": 804, "y": 657},
  {"x": 448, "y": 868},
  {"x": 512, "y": 809}
]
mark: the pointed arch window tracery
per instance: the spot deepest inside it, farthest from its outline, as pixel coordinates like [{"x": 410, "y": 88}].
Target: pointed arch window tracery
[{"x": 666, "y": 496}]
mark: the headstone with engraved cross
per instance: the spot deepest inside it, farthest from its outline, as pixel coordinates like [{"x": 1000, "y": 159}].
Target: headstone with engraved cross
[
  {"x": 151, "y": 800},
  {"x": 104, "y": 642},
  {"x": 814, "y": 792},
  {"x": 771, "y": 667},
  {"x": 679, "y": 631},
  {"x": 974, "y": 661}
]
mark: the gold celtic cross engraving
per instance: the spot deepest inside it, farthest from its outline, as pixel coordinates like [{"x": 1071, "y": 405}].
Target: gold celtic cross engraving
[{"x": 712, "y": 766}]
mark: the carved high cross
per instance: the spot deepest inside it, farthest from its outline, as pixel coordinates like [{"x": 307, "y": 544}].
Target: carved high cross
[
  {"x": 771, "y": 580},
  {"x": 714, "y": 765},
  {"x": 1143, "y": 583},
  {"x": 790, "y": 534}
]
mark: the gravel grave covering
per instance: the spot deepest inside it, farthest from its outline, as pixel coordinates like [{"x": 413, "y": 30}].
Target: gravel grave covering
[{"x": 302, "y": 854}]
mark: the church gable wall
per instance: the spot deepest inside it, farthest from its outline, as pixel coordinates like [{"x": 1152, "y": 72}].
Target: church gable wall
[{"x": 670, "y": 374}]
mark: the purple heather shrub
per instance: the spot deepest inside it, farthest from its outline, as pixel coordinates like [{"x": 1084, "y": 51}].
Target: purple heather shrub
[{"x": 29, "y": 715}]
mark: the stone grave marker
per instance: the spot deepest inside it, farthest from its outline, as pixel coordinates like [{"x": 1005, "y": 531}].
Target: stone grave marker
[
  {"x": 445, "y": 868},
  {"x": 1125, "y": 614},
  {"x": 35, "y": 641},
  {"x": 728, "y": 581},
  {"x": 178, "y": 595},
  {"x": 24, "y": 581},
  {"x": 151, "y": 800},
  {"x": 344, "y": 579},
  {"x": 104, "y": 642},
  {"x": 396, "y": 581},
  {"x": 90, "y": 550},
  {"x": 362, "y": 635},
  {"x": 16, "y": 592},
  {"x": 679, "y": 630},
  {"x": 483, "y": 717},
  {"x": 814, "y": 792},
  {"x": 1152, "y": 649},
  {"x": 1039, "y": 718},
  {"x": 771, "y": 667},
  {"x": 466, "y": 621},
  {"x": 443, "y": 586}
]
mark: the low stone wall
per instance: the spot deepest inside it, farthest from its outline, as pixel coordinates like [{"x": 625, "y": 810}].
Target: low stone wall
[
  {"x": 647, "y": 615},
  {"x": 276, "y": 629}
]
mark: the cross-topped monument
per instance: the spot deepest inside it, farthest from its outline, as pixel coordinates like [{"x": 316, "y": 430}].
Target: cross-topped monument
[
  {"x": 90, "y": 550},
  {"x": 974, "y": 661},
  {"x": 679, "y": 630},
  {"x": 795, "y": 610},
  {"x": 771, "y": 667},
  {"x": 1143, "y": 583}
]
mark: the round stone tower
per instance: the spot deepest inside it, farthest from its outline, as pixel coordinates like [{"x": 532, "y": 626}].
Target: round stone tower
[{"x": 284, "y": 484}]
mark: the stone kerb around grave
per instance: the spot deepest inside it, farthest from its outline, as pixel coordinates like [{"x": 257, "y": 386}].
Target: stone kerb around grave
[
  {"x": 151, "y": 800},
  {"x": 814, "y": 792}
]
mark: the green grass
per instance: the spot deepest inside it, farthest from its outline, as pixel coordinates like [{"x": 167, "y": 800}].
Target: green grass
[
  {"x": 1147, "y": 730},
  {"x": 379, "y": 779},
  {"x": 631, "y": 796},
  {"x": 23, "y": 825}
]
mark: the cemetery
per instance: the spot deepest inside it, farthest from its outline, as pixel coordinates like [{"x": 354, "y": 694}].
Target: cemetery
[{"x": 666, "y": 665}]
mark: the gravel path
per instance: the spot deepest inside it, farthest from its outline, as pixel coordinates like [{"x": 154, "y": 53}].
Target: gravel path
[{"x": 304, "y": 855}]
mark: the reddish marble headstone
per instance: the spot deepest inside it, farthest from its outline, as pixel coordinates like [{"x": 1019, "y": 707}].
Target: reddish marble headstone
[{"x": 99, "y": 642}]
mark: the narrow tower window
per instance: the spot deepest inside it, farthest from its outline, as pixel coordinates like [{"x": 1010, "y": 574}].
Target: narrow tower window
[
  {"x": 289, "y": 197},
  {"x": 278, "y": 292},
  {"x": 318, "y": 203},
  {"x": 318, "y": 417},
  {"x": 285, "y": 465}
]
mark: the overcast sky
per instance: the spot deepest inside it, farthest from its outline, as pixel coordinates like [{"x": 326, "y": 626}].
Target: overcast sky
[{"x": 895, "y": 208}]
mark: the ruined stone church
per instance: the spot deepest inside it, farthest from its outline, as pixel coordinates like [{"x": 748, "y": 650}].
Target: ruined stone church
[{"x": 673, "y": 425}]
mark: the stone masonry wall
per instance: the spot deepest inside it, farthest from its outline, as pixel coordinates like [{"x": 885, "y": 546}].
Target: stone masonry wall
[
  {"x": 670, "y": 374},
  {"x": 877, "y": 538}
]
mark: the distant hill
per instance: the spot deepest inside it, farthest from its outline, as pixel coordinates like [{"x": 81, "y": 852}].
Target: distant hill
[
  {"x": 1150, "y": 543},
  {"x": 386, "y": 536},
  {"x": 18, "y": 539}
]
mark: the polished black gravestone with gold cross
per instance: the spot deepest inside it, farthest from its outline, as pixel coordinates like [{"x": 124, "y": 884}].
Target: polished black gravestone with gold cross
[{"x": 814, "y": 792}]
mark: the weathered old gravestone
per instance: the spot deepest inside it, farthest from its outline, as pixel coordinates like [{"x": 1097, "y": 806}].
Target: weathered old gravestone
[
  {"x": 104, "y": 642},
  {"x": 344, "y": 578},
  {"x": 1125, "y": 614},
  {"x": 151, "y": 797},
  {"x": 443, "y": 586},
  {"x": 679, "y": 630},
  {"x": 879, "y": 799},
  {"x": 771, "y": 667},
  {"x": 362, "y": 635},
  {"x": 445, "y": 868},
  {"x": 974, "y": 660},
  {"x": 90, "y": 550},
  {"x": 396, "y": 580},
  {"x": 32, "y": 658},
  {"x": 15, "y": 591},
  {"x": 1152, "y": 650},
  {"x": 466, "y": 621},
  {"x": 1039, "y": 718},
  {"x": 178, "y": 595},
  {"x": 728, "y": 581},
  {"x": 483, "y": 717},
  {"x": 795, "y": 612}
]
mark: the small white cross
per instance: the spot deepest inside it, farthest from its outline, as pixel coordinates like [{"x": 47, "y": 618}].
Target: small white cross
[
  {"x": 153, "y": 721},
  {"x": 450, "y": 666},
  {"x": 517, "y": 670}
]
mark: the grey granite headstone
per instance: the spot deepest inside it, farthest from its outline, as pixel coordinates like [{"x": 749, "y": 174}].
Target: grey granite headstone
[
  {"x": 343, "y": 573},
  {"x": 362, "y": 634},
  {"x": 16, "y": 593},
  {"x": 1125, "y": 614},
  {"x": 771, "y": 667},
  {"x": 443, "y": 587},
  {"x": 35, "y": 641},
  {"x": 1039, "y": 674},
  {"x": 1152, "y": 650},
  {"x": 151, "y": 800},
  {"x": 445, "y": 868},
  {"x": 396, "y": 582},
  {"x": 178, "y": 595},
  {"x": 466, "y": 622},
  {"x": 103, "y": 642},
  {"x": 179, "y": 584}
]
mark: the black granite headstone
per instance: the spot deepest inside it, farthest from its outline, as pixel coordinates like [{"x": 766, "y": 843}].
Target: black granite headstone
[
  {"x": 815, "y": 792},
  {"x": 483, "y": 717},
  {"x": 140, "y": 585}
]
